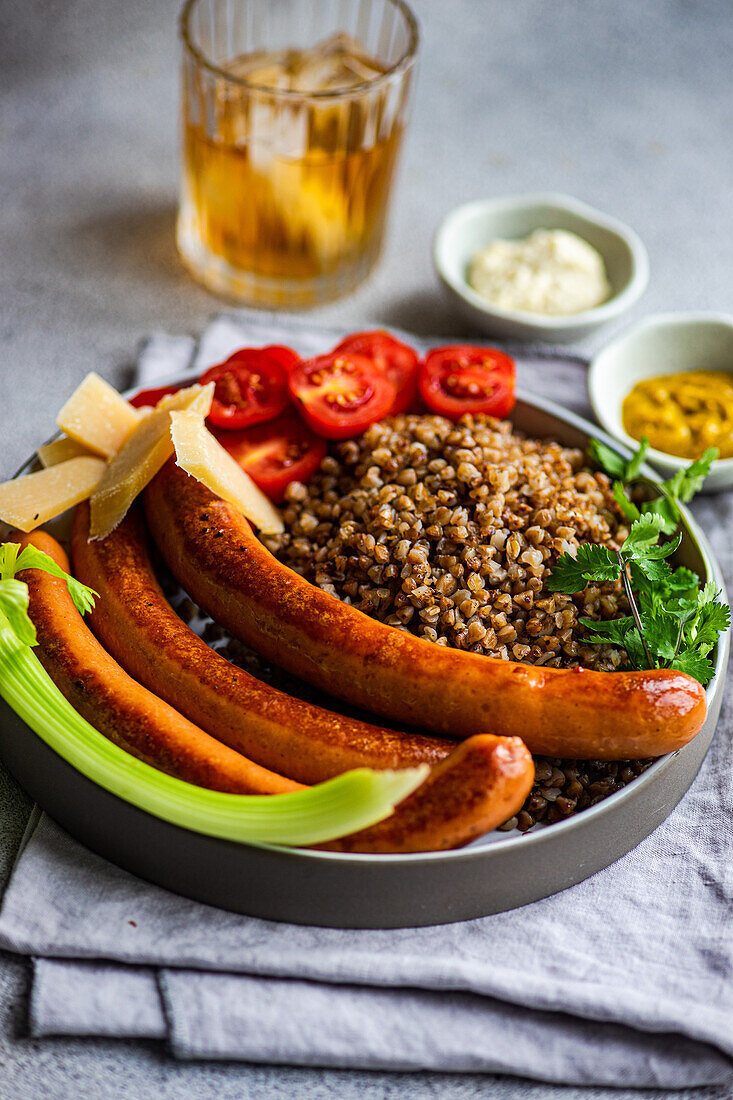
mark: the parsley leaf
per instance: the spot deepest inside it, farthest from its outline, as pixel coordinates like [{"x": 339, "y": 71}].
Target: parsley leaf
[
  {"x": 695, "y": 664},
  {"x": 608, "y": 631},
  {"x": 643, "y": 534},
  {"x": 682, "y": 580},
  {"x": 634, "y": 465},
  {"x": 713, "y": 619},
  {"x": 627, "y": 506},
  {"x": 662, "y": 631},
  {"x": 611, "y": 463},
  {"x": 591, "y": 563},
  {"x": 686, "y": 483},
  {"x": 667, "y": 510},
  {"x": 673, "y": 623},
  {"x": 635, "y": 649}
]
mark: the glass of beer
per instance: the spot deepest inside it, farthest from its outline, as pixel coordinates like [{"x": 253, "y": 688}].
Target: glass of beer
[{"x": 293, "y": 116}]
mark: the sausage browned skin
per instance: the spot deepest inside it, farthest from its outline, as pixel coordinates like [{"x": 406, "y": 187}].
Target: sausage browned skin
[
  {"x": 481, "y": 784},
  {"x": 117, "y": 705},
  {"x": 576, "y": 713},
  {"x": 135, "y": 622}
]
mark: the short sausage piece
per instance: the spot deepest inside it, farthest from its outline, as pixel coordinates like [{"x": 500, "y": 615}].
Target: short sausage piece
[
  {"x": 481, "y": 784},
  {"x": 572, "y": 713},
  {"x": 117, "y": 705},
  {"x": 135, "y": 622}
]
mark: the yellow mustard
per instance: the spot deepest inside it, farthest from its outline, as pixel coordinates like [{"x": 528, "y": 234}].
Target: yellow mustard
[{"x": 683, "y": 414}]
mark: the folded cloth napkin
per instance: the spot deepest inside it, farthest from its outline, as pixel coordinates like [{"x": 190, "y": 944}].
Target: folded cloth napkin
[{"x": 624, "y": 979}]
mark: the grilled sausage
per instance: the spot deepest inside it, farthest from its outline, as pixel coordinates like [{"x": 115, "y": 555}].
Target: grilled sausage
[
  {"x": 135, "y": 622},
  {"x": 481, "y": 784},
  {"x": 117, "y": 705},
  {"x": 578, "y": 713}
]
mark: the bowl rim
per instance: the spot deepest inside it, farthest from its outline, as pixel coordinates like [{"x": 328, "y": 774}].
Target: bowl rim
[
  {"x": 535, "y": 836},
  {"x": 607, "y": 310},
  {"x": 598, "y": 368}
]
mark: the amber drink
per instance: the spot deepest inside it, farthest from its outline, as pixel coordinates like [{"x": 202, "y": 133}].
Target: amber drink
[{"x": 293, "y": 115}]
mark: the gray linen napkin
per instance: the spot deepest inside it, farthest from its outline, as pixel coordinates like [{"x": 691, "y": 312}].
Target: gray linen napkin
[{"x": 624, "y": 979}]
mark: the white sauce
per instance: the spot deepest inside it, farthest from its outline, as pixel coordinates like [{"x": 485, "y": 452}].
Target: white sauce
[{"x": 551, "y": 272}]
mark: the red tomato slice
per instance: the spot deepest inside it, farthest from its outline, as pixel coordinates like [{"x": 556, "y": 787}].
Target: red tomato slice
[
  {"x": 152, "y": 397},
  {"x": 250, "y": 386},
  {"x": 464, "y": 379},
  {"x": 340, "y": 394},
  {"x": 391, "y": 357},
  {"x": 276, "y": 453}
]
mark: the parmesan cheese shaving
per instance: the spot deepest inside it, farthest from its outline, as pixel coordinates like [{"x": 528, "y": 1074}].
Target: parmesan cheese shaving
[
  {"x": 136, "y": 464},
  {"x": 60, "y": 450},
  {"x": 27, "y": 502},
  {"x": 97, "y": 417},
  {"x": 202, "y": 456}
]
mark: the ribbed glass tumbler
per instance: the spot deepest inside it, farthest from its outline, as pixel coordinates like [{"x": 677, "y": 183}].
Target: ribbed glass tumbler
[{"x": 293, "y": 116}]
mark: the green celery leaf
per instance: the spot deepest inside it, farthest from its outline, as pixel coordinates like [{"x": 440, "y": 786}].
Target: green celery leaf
[
  {"x": 8, "y": 554},
  {"x": 695, "y": 664},
  {"x": 611, "y": 463},
  {"x": 592, "y": 563},
  {"x": 634, "y": 464},
  {"x": 14, "y": 605},
  {"x": 627, "y": 506},
  {"x": 33, "y": 558}
]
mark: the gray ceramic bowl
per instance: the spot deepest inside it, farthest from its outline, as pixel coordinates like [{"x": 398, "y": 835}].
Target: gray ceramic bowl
[
  {"x": 476, "y": 224},
  {"x": 498, "y": 872}
]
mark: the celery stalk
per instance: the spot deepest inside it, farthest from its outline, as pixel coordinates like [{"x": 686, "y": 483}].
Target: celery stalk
[{"x": 338, "y": 807}]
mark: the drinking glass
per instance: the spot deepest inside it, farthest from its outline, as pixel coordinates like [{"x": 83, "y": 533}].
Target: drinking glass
[{"x": 293, "y": 116}]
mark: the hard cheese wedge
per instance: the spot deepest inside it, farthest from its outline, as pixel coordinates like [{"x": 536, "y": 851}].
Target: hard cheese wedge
[
  {"x": 97, "y": 417},
  {"x": 145, "y": 452},
  {"x": 199, "y": 454},
  {"x": 60, "y": 450},
  {"x": 27, "y": 502}
]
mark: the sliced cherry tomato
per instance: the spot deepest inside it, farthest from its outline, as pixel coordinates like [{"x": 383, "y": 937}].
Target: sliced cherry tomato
[
  {"x": 340, "y": 394},
  {"x": 152, "y": 397},
  {"x": 391, "y": 357},
  {"x": 464, "y": 379},
  {"x": 250, "y": 386},
  {"x": 276, "y": 453},
  {"x": 286, "y": 357}
]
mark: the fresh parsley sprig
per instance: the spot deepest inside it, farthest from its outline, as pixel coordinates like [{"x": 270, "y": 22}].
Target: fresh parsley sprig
[
  {"x": 678, "y": 490},
  {"x": 674, "y": 623}
]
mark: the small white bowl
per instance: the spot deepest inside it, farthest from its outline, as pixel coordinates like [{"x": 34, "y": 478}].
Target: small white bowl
[
  {"x": 475, "y": 225},
  {"x": 664, "y": 344}
]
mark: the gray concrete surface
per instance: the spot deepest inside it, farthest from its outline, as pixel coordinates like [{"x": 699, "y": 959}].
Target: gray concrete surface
[{"x": 625, "y": 104}]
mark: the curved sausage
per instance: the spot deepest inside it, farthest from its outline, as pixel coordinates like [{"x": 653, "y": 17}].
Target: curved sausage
[
  {"x": 481, "y": 784},
  {"x": 135, "y": 622},
  {"x": 117, "y": 705},
  {"x": 576, "y": 713}
]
